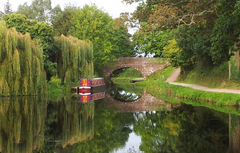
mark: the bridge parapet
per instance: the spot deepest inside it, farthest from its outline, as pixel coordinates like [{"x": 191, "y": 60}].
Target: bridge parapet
[{"x": 146, "y": 66}]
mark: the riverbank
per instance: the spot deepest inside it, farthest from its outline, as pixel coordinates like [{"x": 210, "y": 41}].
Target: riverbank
[
  {"x": 176, "y": 73},
  {"x": 156, "y": 84}
]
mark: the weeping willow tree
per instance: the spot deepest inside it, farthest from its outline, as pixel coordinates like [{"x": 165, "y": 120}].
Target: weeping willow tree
[
  {"x": 21, "y": 64},
  {"x": 22, "y": 123},
  {"x": 74, "y": 58}
]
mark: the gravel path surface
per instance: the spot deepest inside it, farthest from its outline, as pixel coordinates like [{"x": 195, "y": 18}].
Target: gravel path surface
[{"x": 175, "y": 74}]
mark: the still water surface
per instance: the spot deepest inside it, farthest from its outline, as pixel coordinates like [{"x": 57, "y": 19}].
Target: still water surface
[{"x": 110, "y": 125}]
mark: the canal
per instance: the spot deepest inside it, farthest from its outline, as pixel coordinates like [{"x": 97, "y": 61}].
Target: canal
[{"x": 125, "y": 121}]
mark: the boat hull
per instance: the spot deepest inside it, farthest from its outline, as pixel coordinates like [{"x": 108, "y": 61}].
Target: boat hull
[{"x": 84, "y": 90}]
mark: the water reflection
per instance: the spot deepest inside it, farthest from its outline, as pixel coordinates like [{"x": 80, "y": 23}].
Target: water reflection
[
  {"x": 127, "y": 93},
  {"x": 70, "y": 122},
  {"x": 36, "y": 124},
  {"x": 22, "y": 123}
]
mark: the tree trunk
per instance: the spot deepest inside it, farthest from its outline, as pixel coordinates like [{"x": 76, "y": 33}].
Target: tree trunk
[{"x": 229, "y": 67}]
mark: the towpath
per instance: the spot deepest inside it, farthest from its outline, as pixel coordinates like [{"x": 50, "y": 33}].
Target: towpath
[{"x": 175, "y": 74}]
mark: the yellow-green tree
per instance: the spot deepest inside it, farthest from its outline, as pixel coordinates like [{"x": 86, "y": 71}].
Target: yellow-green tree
[
  {"x": 21, "y": 64},
  {"x": 74, "y": 58}
]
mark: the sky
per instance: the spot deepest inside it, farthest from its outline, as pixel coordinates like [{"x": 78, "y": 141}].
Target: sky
[{"x": 112, "y": 7}]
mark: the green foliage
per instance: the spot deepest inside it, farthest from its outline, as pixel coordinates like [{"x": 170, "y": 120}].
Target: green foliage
[
  {"x": 111, "y": 131},
  {"x": 216, "y": 77},
  {"x": 39, "y": 31},
  {"x": 174, "y": 91},
  {"x": 226, "y": 31},
  {"x": 195, "y": 47},
  {"x": 61, "y": 20},
  {"x": 148, "y": 42},
  {"x": 39, "y": 10},
  {"x": 120, "y": 40},
  {"x": 172, "y": 51},
  {"x": 21, "y": 64},
  {"x": 23, "y": 122},
  {"x": 91, "y": 23},
  {"x": 74, "y": 58},
  {"x": 152, "y": 41}
]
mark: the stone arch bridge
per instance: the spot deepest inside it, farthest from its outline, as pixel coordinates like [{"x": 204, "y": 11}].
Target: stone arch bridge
[{"x": 146, "y": 66}]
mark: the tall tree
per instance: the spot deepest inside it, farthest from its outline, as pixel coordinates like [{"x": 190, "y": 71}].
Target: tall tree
[
  {"x": 7, "y": 9},
  {"x": 39, "y": 31},
  {"x": 21, "y": 64},
  {"x": 61, "y": 20},
  {"x": 120, "y": 38},
  {"x": 74, "y": 58},
  {"x": 94, "y": 24},
  {"x": 226, "y": 30},
  {"x": 39, "y": 10}
]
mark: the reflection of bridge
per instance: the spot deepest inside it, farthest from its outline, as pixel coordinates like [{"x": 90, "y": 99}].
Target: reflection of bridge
[
  {"x": 146, "y": 102},
  {"x": 146, "y": 66}
]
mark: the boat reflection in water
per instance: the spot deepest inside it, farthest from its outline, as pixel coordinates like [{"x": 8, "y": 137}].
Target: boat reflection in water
[
  {"x": 86, "y": 98},
  {"x": 90, "y": 89}
]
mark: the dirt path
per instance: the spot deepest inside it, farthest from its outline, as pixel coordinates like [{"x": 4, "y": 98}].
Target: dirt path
[{"x": 175, "y": 74}]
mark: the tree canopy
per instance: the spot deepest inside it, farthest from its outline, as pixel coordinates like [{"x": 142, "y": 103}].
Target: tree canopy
[
  {"x": 39, "y": 31},
  {"x": 205, "y": 31},
  {"x": 110, "y": 40},
  {"x": 39, "y": 10},
  {"x": 21, "y": 60}
]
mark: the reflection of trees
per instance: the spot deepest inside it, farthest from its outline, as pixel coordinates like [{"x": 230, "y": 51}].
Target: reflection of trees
[
  {"x": 111, "y": 131},
  {"x": 22, "y": 124},
  {"x": 234, "y": 134},
  {"x": 69, "y": 122},
  {"x": 185, "y": 129},
  {"x": 125, "y": 92}
]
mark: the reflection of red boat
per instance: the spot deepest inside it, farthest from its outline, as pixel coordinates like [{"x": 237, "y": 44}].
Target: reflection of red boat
[{"x": 85, "y": 98}]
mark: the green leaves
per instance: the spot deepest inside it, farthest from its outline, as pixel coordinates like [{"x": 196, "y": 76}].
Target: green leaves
[
  {"x": 172, "y": 51},
  {"x": 110, "y": 39},
  {"x": 39, "y": 10},
  {"x": 39, "y": 31},
  {"x": 226, "y": 31}
]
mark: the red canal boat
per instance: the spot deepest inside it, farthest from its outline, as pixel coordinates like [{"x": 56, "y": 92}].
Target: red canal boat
[
  {"x": 87, "y": 84},
  {"x": 90, "y": 89}
]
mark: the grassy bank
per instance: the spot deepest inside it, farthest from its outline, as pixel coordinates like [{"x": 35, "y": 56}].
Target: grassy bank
[
  {"x": 55, "y": 89},
  {"x": 214, "y": 78},
  {"x": 155, "y": 85}
]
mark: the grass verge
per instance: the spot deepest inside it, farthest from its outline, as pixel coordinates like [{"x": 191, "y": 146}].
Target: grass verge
[{"x": 155, "y": 84}]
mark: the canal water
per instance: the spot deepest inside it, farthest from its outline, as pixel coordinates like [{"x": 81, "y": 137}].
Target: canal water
[{"x": 122, "y": 122}]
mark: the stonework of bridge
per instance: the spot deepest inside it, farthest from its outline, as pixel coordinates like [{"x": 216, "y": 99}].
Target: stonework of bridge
[
  {"x": 146, "y": 102},
  {"x": 146, "y": 66}
]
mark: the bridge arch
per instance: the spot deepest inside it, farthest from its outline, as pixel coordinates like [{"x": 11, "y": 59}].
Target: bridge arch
[
  {"x": 123, "y": 68},
  {"x": 146, "y": 102},
  {"x": 146, "y": 66}
]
